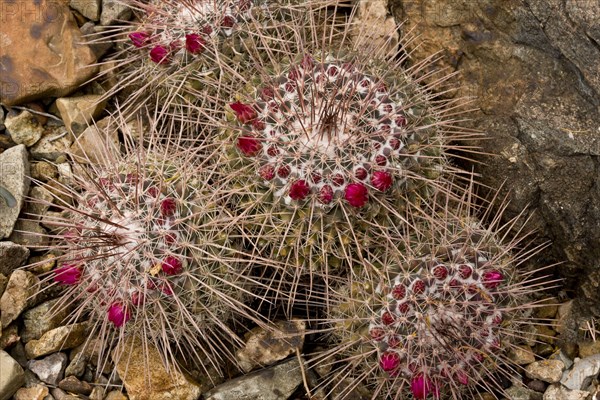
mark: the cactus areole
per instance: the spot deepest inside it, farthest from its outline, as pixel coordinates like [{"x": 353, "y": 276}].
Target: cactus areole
[{"x": 326, "y": 131}]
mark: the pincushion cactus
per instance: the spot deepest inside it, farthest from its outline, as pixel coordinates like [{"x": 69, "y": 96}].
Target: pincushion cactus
[
  {"x": 432, "y": 312},
  {"x": 177, "y": 55},
  {"x": 147, "y": 250},
  {"x": 331, "y": 147}
]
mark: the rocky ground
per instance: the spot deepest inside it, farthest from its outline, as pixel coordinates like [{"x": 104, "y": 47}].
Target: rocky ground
[{"x": 534, "y": 69}]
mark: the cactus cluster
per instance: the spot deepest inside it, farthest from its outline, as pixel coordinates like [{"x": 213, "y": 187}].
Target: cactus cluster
[
  {"x": 147, "y": 250},
  {"x": 431, "y": 313},
  {"x": 323, "y": 159}
]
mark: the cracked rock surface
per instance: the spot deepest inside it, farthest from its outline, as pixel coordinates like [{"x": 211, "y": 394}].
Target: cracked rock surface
[{"x": 534, "y": 68}]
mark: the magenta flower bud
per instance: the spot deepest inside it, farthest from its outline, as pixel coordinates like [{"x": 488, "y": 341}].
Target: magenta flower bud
[
  {"x": 168, "y": 207},
  {"x": 267, "y": 172},
  {"x": 248, "y": 145},
  {"x": 299, "y": 190},
  {"x": 172, "y": 265},
  {"x": 461, "y": 377},
  {"x": 68, "y": 274},
  {"x": 492, "y": 279},
  {"x": 389, "y": 361},
  {"x": 194, "y": 43},
  {"x": 139, "y": 39},
  {"x": 440, "y": 272},
  {"x": 326, "y": 194},
  {"x": 159, "y": 54},
  {"x": 245, "y": 113},
  {"x": 118, "y": 314},
  {"x": 356, "y": 194},
  {"x": 381, "y": 180},
  {"x": 228, "y": 21},
  {"x": 422, "y": 387},
  {"x": 138, "y": 298}
]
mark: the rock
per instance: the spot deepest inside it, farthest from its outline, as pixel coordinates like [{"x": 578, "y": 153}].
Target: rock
[
  {"x": 533, "y": 68},
  {"x": 12, "y": 256},
  {"x": 521, "y": 355},
  {"x": 522, "y": 393},
  {"x": 29, "y": 233},
  {"x": 273, "y": 383},
  {"x": 589, "y": 348},
  {"x": 545, "y": 334},
  {"x": 91, "y": 145},
  {"x": 547, "y": 370},
  {"x": 62, "y": 338},
  {"x": 557, "y": 392},
  {"x": 77, "y": 112},
  {"x": 43, "y": 318},
  {"x": 581, "y": 373},
  {"x": 3, "y": 283},
  {"x": 53, "y": 145},
  {"x": 264, "y": 348},
  {"x": 88, "y": 8},
  {"x": 98, "y": 394},
  {"x": 560, "y": 355},
  {"x": 49, "y": 369},
  {"x": 2, "y": 126},
  {"x": 375, "y": 28},
  {"x": 42, "y": 55},
  {"x": 41, "y": 264},
  {"x": 99, "y": 47},
  {"x": 37, "y": 392},
  {"x": 115, "y": 395},
  {"x": 548, "y": 310},
  {"x": 43, "y": 171},
  {"x": 74, "y": 385},
  {"x": 537, "y": 386},
  {"x": 10, "y": 336},
  {"x": 154, "y": 383},
  {"x": 20, "y": 293},
  {"x": 14, "y": 185},
  {"x": 12, "y": 376},
  {"x": 114, "y": 11},
  {"x": 24, "y": 128}
]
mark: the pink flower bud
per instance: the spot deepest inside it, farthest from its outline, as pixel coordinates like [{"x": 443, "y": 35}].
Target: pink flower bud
[
  {"x": 381, "y": 180},
  {"x": 492, "y": 279},
  {"x": 168, "y": 207},
  {"x": 356, "y": 194},
  {"x": 68, "y": 274},
  {"x": 194, "y": 43},
  {"x": 138, "y": 298},
  {"x": 326, "y": 194},
  {"x": 172, "y": 265},
  {"x": 245, "y": 113},
  {"x": 389, "y": 361},
  {"x": 461, "y": 377},
  {"x": 267, "y": 172},
  {"x": 118, "y": 314},
  {"x": 248, "y": 145},
  {"x": 422, "y": 387},
  {"x": 139, "y": 39},
  {"x": 228, "y": 21},
  {"x": 159, "y": 54},
  {"x": 299, "y": 190}
]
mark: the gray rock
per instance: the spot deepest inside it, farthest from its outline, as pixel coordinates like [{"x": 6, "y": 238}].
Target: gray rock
[
  {"x": 20, "y": 293},
  {"x": 12, "y": 256},
  {"x": 560, "y": 355},
  {"x": 99, "y": 47},
  {"x": 557, "y": 392},
  {"x": 547, "y": 370},
  {"x": 522, "y": 393},
  {"x": 274, "y": 383},
  {"x": 43, "y": 318},
  {"x": 29, "y": 233},
  {"x": 23, "y": 128},
  {"x": 14, "y": 186},
  {"x": 114, "y": 11},
  {"x": 62, "y": 338},
  {"x": 88, "y": 8},
  {"x": 581, "y": 373},
  {"x": 49, "y": 369},
  {"x": 77, "y": 112},
  {"x": 53, "y": 145},
  {"x": 264, "y": 348},
  {"x": 12, "y": 376}
]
